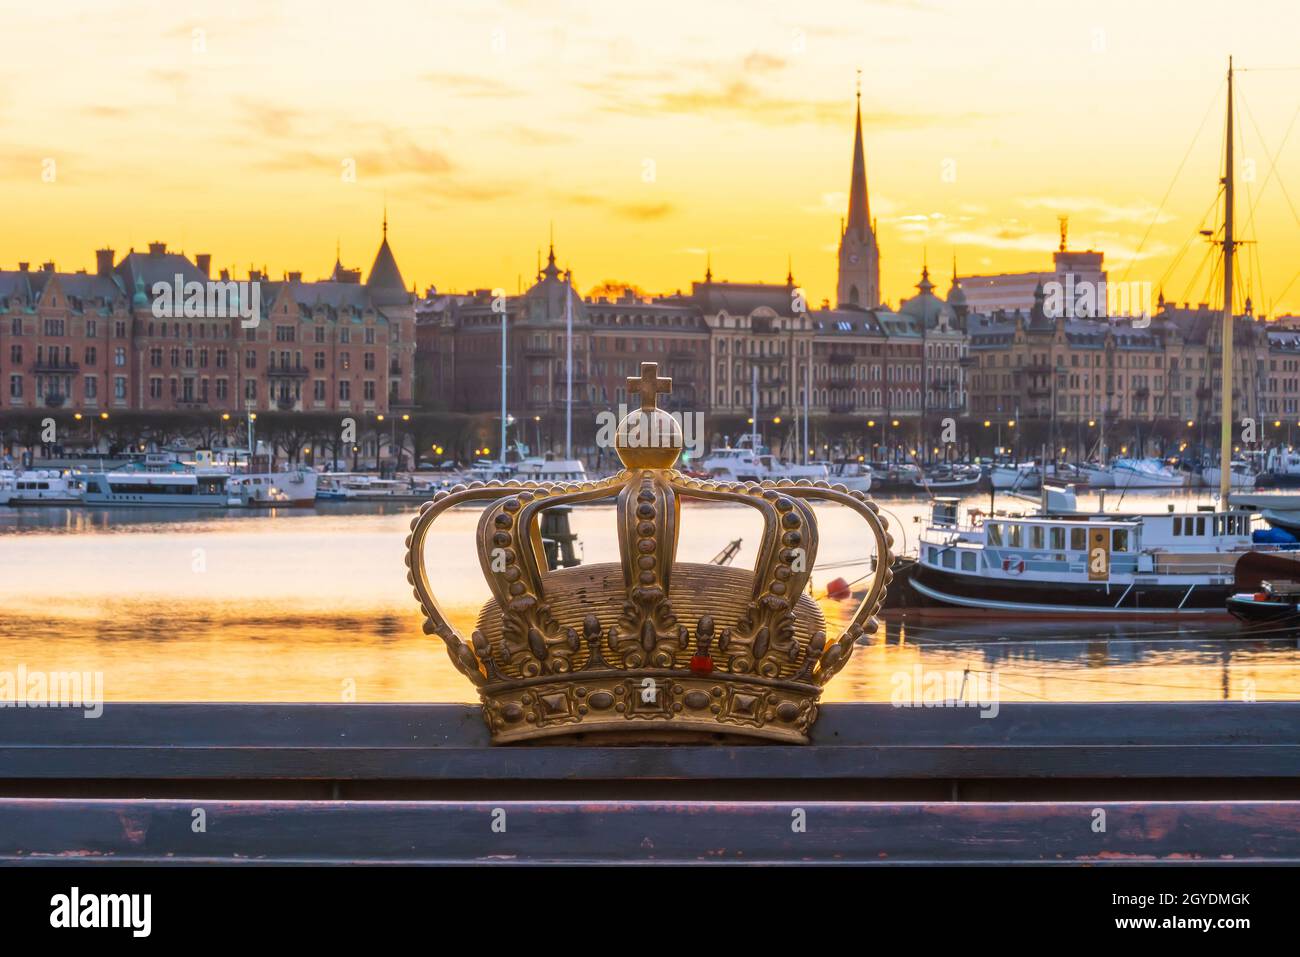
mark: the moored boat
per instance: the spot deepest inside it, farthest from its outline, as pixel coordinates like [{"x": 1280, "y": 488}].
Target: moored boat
[
  {"x": 1097, "y": 475},
  {"x": 1275, "y": 603},
  {"x": 949, "y": 478},
  {"x": 295, "y": 488},
  {"x": 855, "y": 476},
  {"x": 1240, "y": 476},
  {"x": 1280, "y": 468},
  {"x": 39, "y": 487},
  {"x": 1146, "y": 473},
  {"x": 1061, "y": 562},
  {"x": 1015, "y": 477},
  {"x": 174, "y": 489},
  {"x": 894, "y": 477},
  {"x": 745, "y": 464}
]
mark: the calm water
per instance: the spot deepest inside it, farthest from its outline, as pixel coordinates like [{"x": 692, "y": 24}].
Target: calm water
[{"x": 313, "y": 605}]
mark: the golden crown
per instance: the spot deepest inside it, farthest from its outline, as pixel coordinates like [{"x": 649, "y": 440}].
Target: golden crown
[{"x": 648, "y": 649}]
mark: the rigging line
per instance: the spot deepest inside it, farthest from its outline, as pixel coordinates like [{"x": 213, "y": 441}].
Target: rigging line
[
  {"x": 1211, "y": 285},
  {"x": 1187, "y": 244},
  {"x": 1288, "y": 286},
  {"x": 1251, "y": 202},
  {"x": 1190, "y": 146},
  {"x": 1273, "y": 159},
  {"x": 1187, "y": 289},
  {"x": 1272, "y": 168}
]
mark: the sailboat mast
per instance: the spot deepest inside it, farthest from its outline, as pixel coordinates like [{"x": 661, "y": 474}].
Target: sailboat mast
[
  {"x": 503, "y": 387},
  {"x": 1225, "y": 438},
  {"x": 568, "y": 362},
  {"x": 753, "y": 404},
  {"x": 807, "y": 387}
]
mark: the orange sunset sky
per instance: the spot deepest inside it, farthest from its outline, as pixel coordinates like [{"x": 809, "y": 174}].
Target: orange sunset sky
[{"x": 649, "y": 134}]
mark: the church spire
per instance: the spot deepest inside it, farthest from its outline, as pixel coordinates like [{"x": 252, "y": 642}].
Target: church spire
[
  {"x": 859, "y": 206},
  {"x": 859, "y": 272}
]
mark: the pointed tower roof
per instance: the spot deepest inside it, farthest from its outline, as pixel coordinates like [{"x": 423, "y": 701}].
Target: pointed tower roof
[
  {"x": 545, "y": 299},
  {"x": 551, "y": 271},
  {"x": 925, "y": 285},
  {"x": 859, "y": 207},
  {"x": 956, "y": 296},
  {"x": 385, "y": 283}
]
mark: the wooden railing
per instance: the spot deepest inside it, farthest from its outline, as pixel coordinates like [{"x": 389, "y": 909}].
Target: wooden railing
[{"x": 1178, "y": 782}]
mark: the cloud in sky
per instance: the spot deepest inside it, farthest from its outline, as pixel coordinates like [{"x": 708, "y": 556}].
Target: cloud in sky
[
  {"x": 470, "y": 85},
  {"x": 1098, "y": 210},
  {"x": 639, "y": 212}
]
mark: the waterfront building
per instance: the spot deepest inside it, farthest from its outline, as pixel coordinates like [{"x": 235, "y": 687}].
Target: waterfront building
[
  {"x": 1011, "y": 292},
  {"x": 99, "y": 343}
]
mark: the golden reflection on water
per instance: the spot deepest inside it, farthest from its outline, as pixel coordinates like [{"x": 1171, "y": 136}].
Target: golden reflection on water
[{"x": 314, "y": 606}]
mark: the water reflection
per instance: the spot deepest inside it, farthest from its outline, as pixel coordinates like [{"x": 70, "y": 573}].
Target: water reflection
[{"x": 313, "y": 605}]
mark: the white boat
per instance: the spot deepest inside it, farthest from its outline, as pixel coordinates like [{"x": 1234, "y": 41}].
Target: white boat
[
  {"x": 1065, "y": 473},
  {"x": 172, "y": 489},
  {"x": 743, "y": 464},
  {"x": 1097, "y": 475},
  {"x": 39, "y": 487},
  {"x": 1015, "y": 477},
  {"x": 1280, "y": 468},
  {"x": 295, "y": 488},
  {"x": 854, "y": 476},
  {"x": 531, "y": 469},
  {"x": 360, "y": 487},
  {"x": 1240, "y": 475},
  {"x": 1146, "y": 473},
  {"x": 538, "y": 469}
]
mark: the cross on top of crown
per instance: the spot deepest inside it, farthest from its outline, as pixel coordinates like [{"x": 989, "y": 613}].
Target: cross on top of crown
[{"x": 649, "y": 384}]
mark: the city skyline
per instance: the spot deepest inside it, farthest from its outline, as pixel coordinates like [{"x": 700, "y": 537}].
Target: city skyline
[{"x": 651, "y": 148}]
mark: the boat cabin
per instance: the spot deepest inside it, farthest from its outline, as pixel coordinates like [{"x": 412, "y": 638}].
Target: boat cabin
[{"x": 1066, "y": 545}]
